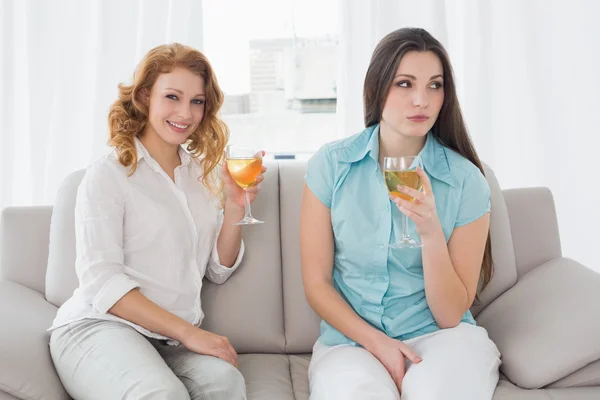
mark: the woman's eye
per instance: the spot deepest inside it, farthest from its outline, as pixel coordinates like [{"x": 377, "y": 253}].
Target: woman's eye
[
  {"x": 198, "y": 101},
  {"x": 436, "y": 85},
  {"x": 403, "y": 84},
  {"x": 172, "y": 97}
]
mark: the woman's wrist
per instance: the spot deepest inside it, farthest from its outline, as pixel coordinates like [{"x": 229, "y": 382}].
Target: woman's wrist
[
  {"x": 185, "y": 331},
  {"x": 433, "y": 235},
  {"x": 231, "y": 207},
  {"x": 372, "y": 339}
]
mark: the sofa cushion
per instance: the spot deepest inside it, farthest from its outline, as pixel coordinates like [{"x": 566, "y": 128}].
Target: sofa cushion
[
  {"x": 583, "y": 393},
  {"x": 301, "y": 322},
  {"x": 546, "y": 326},
  {"x": 507, "y": 391},
  {"x": 6, "y": 396},
  {"x": 586, "y": 376},
  {"x": 267, "y": 376},
  {"x": 24, "y": 245},
  {"x": 248, "y": 307},
  {"x": 26, "y": 369},
  {"x": 299, "y": 372}
]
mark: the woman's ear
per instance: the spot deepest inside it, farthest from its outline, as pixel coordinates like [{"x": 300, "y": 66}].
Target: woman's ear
[{"x": 143, "y": 96}]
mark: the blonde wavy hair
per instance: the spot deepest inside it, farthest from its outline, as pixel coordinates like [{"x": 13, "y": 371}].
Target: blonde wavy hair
[{"x": 128, "y": 115}]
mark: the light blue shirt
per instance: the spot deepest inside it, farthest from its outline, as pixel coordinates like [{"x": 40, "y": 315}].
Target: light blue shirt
[{"x": 386, "y": 286}]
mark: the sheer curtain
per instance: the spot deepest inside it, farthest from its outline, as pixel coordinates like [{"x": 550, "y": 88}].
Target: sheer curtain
[
  {"x": 527, "y": 76},
  {"x": 60, "y": 63}
]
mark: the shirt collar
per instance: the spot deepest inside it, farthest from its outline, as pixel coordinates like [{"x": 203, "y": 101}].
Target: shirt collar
[
  {"x": 142, "y": 152},
  {"x": 435, "y": 160},
  {"x": 367, "y": 142},
  {"x": 433, "y": 153}
]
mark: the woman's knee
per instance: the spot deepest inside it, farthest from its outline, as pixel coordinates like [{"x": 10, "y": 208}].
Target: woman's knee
[
  {"x": 111, "y": 363},
  {"x": 350, "y": 373},
  {"x": 224, "y": 382},
  {"x": 167, "y": 386}
]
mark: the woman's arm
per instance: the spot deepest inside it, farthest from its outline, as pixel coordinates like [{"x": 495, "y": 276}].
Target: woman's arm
[
  {"x": 229, "y": 240},
  {"x": 316, "y": 250},
  {"x": 137, "y": 308},
  {"x": 451, "y": 271}
]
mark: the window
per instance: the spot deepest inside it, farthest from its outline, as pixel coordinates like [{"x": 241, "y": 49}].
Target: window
[{"x": 276, "y": 61}]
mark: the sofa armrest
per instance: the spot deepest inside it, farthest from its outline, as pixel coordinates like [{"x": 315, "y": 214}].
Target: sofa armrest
[
  {"x": 547, "y": 326},
  {"x": 26, "y": 369},
  {"x": 534, "y": 227}
]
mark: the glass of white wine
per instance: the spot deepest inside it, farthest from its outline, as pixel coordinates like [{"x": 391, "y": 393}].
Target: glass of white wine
[
  {"x": 244, "y": 165},
  {"x": 403, "y": 171}
]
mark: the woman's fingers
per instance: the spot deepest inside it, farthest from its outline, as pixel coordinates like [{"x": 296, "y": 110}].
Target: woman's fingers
[
  {"x": 409, "y": 353},
  {"x": 426, "y": 182},
  {"x": 415, "y": 194}
]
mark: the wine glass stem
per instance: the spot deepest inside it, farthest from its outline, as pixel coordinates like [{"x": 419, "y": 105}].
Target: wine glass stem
[
  {"x": 404, "y": 223},
  {"x": 247, "y": 212}
]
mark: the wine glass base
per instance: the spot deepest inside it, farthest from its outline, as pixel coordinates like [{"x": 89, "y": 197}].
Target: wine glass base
[
  {"x": 406, "y": 244},
  {"x": 249, "y": 221}
]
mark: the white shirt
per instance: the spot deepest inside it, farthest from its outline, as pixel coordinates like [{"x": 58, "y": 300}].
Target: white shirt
[{"x": 144, "y": 231}]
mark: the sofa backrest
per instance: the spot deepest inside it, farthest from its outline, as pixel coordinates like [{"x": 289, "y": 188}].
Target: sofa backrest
[
  {"x": 61, "y": 279},
  {"x": 248, "y": 307},
  {"x": 301, "y": 322}
]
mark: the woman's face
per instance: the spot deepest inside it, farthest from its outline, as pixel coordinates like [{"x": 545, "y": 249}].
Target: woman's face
[
  {"x": 176, "y": 105},
  {"x": 416, "y": 96}
]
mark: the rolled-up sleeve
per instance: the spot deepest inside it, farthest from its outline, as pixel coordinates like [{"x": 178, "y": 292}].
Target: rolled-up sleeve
[
  {"x": 217, "y": 272},
  {"x": 99, "y": 213}
]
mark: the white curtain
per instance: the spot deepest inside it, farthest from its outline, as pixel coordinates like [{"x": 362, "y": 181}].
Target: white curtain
[
  {"x": 527, "y": 79},
  {"x": 527, "y": 74},
  {"x": 60, "y": 63}
]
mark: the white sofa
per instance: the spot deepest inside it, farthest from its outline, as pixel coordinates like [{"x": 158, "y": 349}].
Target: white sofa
[{"x": 542, "y": 310}]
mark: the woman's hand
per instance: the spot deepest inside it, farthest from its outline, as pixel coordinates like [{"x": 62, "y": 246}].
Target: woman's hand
[
  {"x": 392, "y": 353},
  {"x": 234, "y": 195},
  {"x": 421, "y": 209},
  {"x": 210, "y": 344}
]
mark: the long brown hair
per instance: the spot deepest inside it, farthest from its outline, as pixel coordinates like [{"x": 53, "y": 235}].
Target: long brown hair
[
  {"x": 128, "y": 116},
  {"x": 449, "y": 128}
]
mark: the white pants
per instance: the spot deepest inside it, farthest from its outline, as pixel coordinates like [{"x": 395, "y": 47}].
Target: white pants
[
  {"x": 459, "y": 363},
  {"x": 109, "y": 360}
]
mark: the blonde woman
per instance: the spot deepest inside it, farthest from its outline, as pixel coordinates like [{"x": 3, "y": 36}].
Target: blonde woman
[{"x": 151, "y": 221}]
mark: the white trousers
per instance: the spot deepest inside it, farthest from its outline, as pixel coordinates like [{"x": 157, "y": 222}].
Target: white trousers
[
  {"x": 459, "y": 363},
  {"x": 103, "y": 360}
]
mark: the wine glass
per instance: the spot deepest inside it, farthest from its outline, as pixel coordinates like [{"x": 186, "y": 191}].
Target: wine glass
[
  {"x": 244, "y": 165},
  {"x": 403, "y": 171}
]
